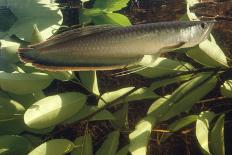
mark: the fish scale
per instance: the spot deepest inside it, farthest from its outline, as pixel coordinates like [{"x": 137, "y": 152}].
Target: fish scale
[{"x": 104, "y": 47}]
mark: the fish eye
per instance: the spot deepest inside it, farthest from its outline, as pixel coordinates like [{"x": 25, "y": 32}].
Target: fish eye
[{"x": 203, "y": 25}]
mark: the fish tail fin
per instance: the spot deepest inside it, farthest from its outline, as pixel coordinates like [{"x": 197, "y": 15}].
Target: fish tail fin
[{"x": 27, "y": 55}]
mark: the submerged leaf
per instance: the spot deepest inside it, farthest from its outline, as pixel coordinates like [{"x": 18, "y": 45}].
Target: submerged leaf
[
  {"x": 24, "y": 83},
  {"x": 54, "y": 109},
  {"x": 217, "y": 145},
  {"x": 202, "y": 130},
  {"x": 84, "y": 145},
  {"x": 226, "y": 89},
  {"x": 123, "y": 151},
  {"x": 110, "y": 5},
  {"x": 139, "y": 138},
  {"x": 89, "y": 80},
  {"x": 8, "y": 51},
  {"x": 36, "y": 36},
  {"x": 53, "y": 147},
  {"x": 110, "y": 145},
  {"x": 111, "y": 18},
  {"x": 12, "y": 145}
]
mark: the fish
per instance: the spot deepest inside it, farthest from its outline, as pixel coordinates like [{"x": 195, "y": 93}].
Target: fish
[{"x": 109, "y": 47}]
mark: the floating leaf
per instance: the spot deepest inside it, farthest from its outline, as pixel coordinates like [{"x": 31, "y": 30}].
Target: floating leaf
[
  {"x": 12, "y": 145},
  {"x": 88, "y": 110},
  {"x": 140, "y": 137},
  {"x": 188, "y": 93},
  {"x": 123, "y": 151},
  {"x": 217, "y": 145},
  {"x": 164, "y": 66},
  {"x": 209, "y": 54},
  {"x": 139, "y": 94},
  {"x": 89, "y": 80},
  {"x": 33, "y": 12},
  {"x": 54, "y": 109},
  {"x": 226, "y": 89},
  {"x": 110, "y": 145},
  {"x": 53, "y": 147},
  {"x": 110, "y": 5},
  {"x": 84, "y": 145},
  {"x": 179, "y": 124},
  {"x": 10, "y": 109},
  {"x": 202, "y": 130},
  {"x": 111, "y": 18},
  {"x": 24, "y": 83}
]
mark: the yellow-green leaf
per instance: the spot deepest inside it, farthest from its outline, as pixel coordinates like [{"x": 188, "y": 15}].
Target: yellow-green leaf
[
  {"x": 54, "y": 109},
  {"x": 226, "y": 89},
  {"x": 84, "y": 145}
]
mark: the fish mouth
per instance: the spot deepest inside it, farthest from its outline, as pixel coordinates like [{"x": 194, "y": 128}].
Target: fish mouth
[{"x": 206, "y": 33}]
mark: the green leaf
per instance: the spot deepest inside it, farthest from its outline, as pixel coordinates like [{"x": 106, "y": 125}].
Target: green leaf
[
  {"x": 123, "y": 151},
  {"x": 179, "y": 124},
  {"x": 24, "y": 83},
  {"x": 9, "y": 51},
  {"x": 209, "y": 54},
  {"x": 217, "y": 145},
  {"x": 121, "y": 116},
  {"x": 139, "y": 94},
  {"x": 110, "y": 145},
  {"x": 189, "y": 93},
  {"x": 10, "y": 109},
  {"x": 88, "y": 110},
  {"x": 110, "y": 5},
  {"x": 202, "y": 130},
  {"x": 171, "y": 80},
  {"x": 15, "y": 126},
  {"x": 111, "y": 18},
  {"x": 164, "y": 66},
  {"x": 89, "y": 80},
  {"x": 191, "y": 15},
  {"x": 53, "y": 147},
  {"x": 139, "y": 138},
  {"x": 83, "y": 145},
  {"x": 62, "y": 75},
  {"x": 36, "y": 36},
  {"x": 12, "y": 145},
  {"x": 226, "y": 89},
  {"x": 54, "y": 109},
  {"x": 34, "y": 140},
  {"x": 34, "y": 12}
]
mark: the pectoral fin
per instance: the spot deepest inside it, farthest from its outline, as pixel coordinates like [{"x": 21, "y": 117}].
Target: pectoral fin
[{"x": 172, "y": 47}]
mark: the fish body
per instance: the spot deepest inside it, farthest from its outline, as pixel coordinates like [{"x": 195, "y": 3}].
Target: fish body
[{"x": 105, "y": 47}]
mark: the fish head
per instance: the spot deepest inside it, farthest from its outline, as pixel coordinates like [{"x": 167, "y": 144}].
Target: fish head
[{"x": 198, "y": 32}]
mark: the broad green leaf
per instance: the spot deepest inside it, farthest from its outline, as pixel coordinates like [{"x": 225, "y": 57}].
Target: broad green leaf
[
  {"x": 209, "y": 54},
  {"x": 24, "y": 83},
  {"x": 54, "y": 109},
  {"x": 188, "y": 93},
  {"x": 83, "y": 145},
  {"x": 110, "y": 145},
  {"x": 14, "y": 145},
  {"x": 110, "y": 5},
  {"x": 34, "y": 12},
  {"x": 202, "y": 130},
  {"x": 121, "y": 116},
  {"x": 89, "y": 80},
  {"x": 139, "y": 138},
  {"x": 88, "y": 110},
  {"x": 40, "y": 131},
  {"x": 36, "y": 36},
  {"x": 53, "y": 147},
  {"x": 159, "y": 107},
  {"x": 226, "y": 89},
  {"x": 217, "y": 137},
  {"x": 9, "y": 51},
  {"x": 123, "y": 151},
  {"x": 63, "y": 75},
  {"x": 10, "y": 109},
  {"x": 164, "y": 66},
  {"x": 139, "y": 94},
  {"x": 171, "y": 80},
  {"x": 111, "y": 18},
  {"x": 179, "y": 124}
]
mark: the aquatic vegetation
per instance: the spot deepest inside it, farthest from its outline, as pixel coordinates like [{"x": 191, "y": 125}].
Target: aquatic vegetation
[{"x": 31, "y": 118}]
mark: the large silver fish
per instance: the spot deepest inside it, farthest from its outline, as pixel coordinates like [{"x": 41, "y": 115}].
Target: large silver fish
[{"x": 107, "y": 47}]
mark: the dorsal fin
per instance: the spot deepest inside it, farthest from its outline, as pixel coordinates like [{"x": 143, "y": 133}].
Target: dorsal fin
[{"x": 73, "y": 34}]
